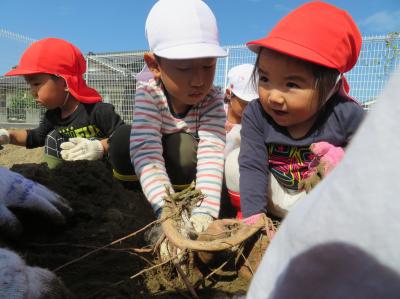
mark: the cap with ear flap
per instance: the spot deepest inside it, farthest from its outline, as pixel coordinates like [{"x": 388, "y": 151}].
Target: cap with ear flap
[
  {"x": 58, "y": 57},
  {"x": 317, "y": 32}
]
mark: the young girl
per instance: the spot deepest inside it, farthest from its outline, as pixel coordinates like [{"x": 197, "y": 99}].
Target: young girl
[
  {"x": 303, "y": 101},
  {"x": 77, "y": 124}
]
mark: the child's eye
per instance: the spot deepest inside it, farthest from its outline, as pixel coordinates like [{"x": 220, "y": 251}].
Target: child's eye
[
  {"x": 292, "y": 85},
  {"x": 208, "y": 67},
  {"x": 263, "y": 79}
]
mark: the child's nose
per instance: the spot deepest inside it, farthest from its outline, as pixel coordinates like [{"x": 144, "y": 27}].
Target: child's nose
[
  {"x": 33, "y": 92},
  {"x": 276, "y": 97},
  {"x": 197, "y": 78}
]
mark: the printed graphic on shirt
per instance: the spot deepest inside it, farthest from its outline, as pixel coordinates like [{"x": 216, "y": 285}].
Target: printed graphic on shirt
[
  {"x": 60, "y": 135},
  {"x": 289, "y": 164}
]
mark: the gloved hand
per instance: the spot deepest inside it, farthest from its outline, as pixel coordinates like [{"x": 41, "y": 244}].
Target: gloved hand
[
  {"x": 4, "y": 137},
  {"x": 200, "y": 222},
  {"x": 19, "y": 281},
  {"x": 327, "y": 157},
  {"x": 19, "y": 192},
  {"x": 261, "y": 219},
  {"x": 327, "y": 154},
  {"x": 81, "y": 149}
]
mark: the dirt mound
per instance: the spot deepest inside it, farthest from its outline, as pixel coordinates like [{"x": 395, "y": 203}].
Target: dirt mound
[{"x": 104, "y": 211}]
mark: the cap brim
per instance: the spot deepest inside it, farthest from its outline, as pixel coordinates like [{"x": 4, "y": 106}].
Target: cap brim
[
  {"x": 245, "y": 96},
  {"x": 192, "y": 51},
  {"x": 22, "y": 72},
  {"x": 289, "y": 48}
]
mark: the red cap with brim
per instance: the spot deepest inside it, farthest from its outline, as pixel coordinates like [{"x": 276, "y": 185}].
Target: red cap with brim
[
  {"x": 58, "y": 57},
  {"x": 316, "y": 32}
]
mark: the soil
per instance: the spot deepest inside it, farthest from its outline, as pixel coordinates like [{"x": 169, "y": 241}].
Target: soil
[{"x": 104, "y": 211}]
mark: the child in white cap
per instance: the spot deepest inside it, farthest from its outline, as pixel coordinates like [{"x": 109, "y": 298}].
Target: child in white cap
[
  {"x": 239, "y": 92},
  {"x": 178, "y": 131}
]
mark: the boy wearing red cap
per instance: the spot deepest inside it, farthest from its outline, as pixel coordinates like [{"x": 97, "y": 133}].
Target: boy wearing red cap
[
  {"x": 77, "y": 124},
  {"x": 303, "y": 101}
]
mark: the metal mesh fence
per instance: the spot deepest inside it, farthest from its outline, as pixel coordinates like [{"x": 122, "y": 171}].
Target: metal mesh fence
[{"x": 113, "y": 76}]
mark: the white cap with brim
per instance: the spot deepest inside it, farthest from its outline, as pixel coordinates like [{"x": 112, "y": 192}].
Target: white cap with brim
[
  {"x": 183, "y": 29},
  {"x": 239, "y": 82}
]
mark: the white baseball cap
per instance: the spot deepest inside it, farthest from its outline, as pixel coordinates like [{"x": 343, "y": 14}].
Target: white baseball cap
[
  {"x": 239, "y": 82},
  {"x": 183, "y": 29}
]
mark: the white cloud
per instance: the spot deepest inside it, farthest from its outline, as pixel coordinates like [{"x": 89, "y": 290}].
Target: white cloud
[{"x": 382, "y": 21}]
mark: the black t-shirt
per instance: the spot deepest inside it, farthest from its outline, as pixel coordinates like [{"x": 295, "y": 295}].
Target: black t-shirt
[{"x": 97, "y": 121}]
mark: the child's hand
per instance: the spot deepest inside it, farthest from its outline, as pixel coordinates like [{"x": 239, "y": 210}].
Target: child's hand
[
  {"x": 263, "y": 220},
  {"x": 200, "y": 222},
  {"x": 327, "y": 157},
  {"x": 327, "y": 154},
  {"x": 82, "y": 149}
]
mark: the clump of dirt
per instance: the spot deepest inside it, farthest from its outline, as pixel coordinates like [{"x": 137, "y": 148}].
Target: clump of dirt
[{"x": 104, "y": 211}]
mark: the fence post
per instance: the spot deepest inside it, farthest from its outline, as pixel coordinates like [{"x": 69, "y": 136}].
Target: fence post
[{"x": 226, "y": 68}]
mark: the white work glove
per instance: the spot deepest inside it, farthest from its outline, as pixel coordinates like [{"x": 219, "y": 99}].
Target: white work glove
[
  {"x": 19, "y": 281},
  {"x": 200, "y": 222},
  {"x": 4, "y": 137},
  {"x": 18, "y": 192},
  {"x": 81, "y": 149}
]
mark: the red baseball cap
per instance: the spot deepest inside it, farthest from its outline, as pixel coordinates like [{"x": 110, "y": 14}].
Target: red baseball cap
[
  {"x": 58, "y": 57},
  {"x": 317, "y": 32}
]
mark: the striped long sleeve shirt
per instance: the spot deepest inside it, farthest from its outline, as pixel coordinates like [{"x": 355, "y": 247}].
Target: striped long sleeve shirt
[{"x": 152, "y": 119}]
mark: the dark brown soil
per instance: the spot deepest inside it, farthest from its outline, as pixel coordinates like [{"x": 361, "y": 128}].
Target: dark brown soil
[{"x": 104, "y": 211}]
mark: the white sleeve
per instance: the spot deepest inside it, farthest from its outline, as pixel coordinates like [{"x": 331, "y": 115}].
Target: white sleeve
[
  {"x": 342, "y": 240},
  {"x": 232, "y": 139}
]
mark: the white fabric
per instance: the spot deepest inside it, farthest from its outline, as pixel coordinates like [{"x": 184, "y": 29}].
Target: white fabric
[
  {"x": 4, "y": 137},
  {"x": 342, "y": 240},
  {"x": 183, "y": 29},
  {"x": 281, "y": 198},
  {"x": 232, "y": 139},
  {"x": 19, "y": 192},
  {"x": 240, "y": 83},
  {"x": 82, "y": 149},
  {"x": 232, "y": 175}
]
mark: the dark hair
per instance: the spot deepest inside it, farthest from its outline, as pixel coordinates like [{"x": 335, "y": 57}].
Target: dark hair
[{"x": 325, "y": 78}]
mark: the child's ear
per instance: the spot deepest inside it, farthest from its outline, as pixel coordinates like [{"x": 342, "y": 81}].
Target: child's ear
[
  {"x": 152, "y": 64},
  {"x": 228, "y": 93}
]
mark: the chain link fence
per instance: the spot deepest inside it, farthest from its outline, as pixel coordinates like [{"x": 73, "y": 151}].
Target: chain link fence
[{"x": 113, "y": 76}]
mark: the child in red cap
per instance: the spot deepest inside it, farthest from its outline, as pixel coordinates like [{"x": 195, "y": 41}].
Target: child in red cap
[
  {"x": 303, "y": 101},
  {"x": 77, "y": 124}
]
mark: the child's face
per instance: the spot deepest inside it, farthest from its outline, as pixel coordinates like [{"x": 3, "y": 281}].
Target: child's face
[
  {"x": 287, "y": 92},
  {"x": 186, "y": 81},
  {"x": 48, "y": 91},
  {"x": 237, "y": 105}
]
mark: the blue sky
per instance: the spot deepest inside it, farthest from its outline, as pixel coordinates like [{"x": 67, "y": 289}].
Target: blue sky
[{"x": 108, "y": 26}]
